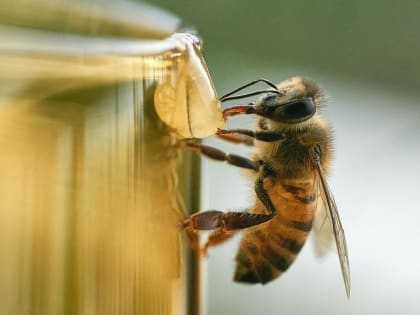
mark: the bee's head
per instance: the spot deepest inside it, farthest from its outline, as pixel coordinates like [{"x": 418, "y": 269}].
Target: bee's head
[{"x": 297, "y": 101}]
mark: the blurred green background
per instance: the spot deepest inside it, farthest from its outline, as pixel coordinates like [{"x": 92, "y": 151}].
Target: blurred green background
[{"x": 372, "y": 40}]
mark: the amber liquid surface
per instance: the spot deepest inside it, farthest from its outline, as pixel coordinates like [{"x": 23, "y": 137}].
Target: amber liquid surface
[{"x": 92, "y": 189}]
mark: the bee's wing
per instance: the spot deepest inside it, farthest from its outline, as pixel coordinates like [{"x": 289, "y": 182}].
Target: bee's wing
[
  {"x": 337, "y": 228},
  {"x": 323, "y": 234}
]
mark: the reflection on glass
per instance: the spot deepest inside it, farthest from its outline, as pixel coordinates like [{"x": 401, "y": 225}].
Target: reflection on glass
[{"x": 92, "y": 182}]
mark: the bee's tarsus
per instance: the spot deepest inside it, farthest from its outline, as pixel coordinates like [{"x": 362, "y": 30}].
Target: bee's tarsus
[{"x": 240, "y": 109}]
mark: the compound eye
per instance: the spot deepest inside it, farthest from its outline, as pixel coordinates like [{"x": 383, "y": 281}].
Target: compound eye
[{"x": 298, "y": 110}]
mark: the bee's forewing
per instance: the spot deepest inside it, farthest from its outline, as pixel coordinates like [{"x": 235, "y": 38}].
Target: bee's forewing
[
  {"x": 323, "y": 234},
  {"x": 337, "y": 228}
]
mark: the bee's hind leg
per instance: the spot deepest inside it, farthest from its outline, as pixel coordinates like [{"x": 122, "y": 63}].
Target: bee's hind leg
[
  {"x": 226, "y": 224},
  {"x": 202, "y": 221},
  {"x": 207, "y": 220},
  {"x": 215, "y": 238},
  {"x": 231, "y": 221},
  {"x": 223, "y": 223}
]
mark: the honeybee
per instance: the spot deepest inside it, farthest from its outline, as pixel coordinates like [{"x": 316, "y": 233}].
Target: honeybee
[{"x": 292, "y": 153}]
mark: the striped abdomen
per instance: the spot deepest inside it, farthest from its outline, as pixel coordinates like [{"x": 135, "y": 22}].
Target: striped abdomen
[{"x": 267, "y": 250}]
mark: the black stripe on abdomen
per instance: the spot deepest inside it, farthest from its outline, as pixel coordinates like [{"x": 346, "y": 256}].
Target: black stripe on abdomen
[
  {"x": 302, "y": 226},
  {"x": 280, "y": 261},
  {"x": 289, "y": 244}
]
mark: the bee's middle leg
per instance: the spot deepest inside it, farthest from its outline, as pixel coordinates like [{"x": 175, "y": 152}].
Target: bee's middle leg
[
  {"x": 219, "y": 155},
  {"x": 243, "y": 134}
]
